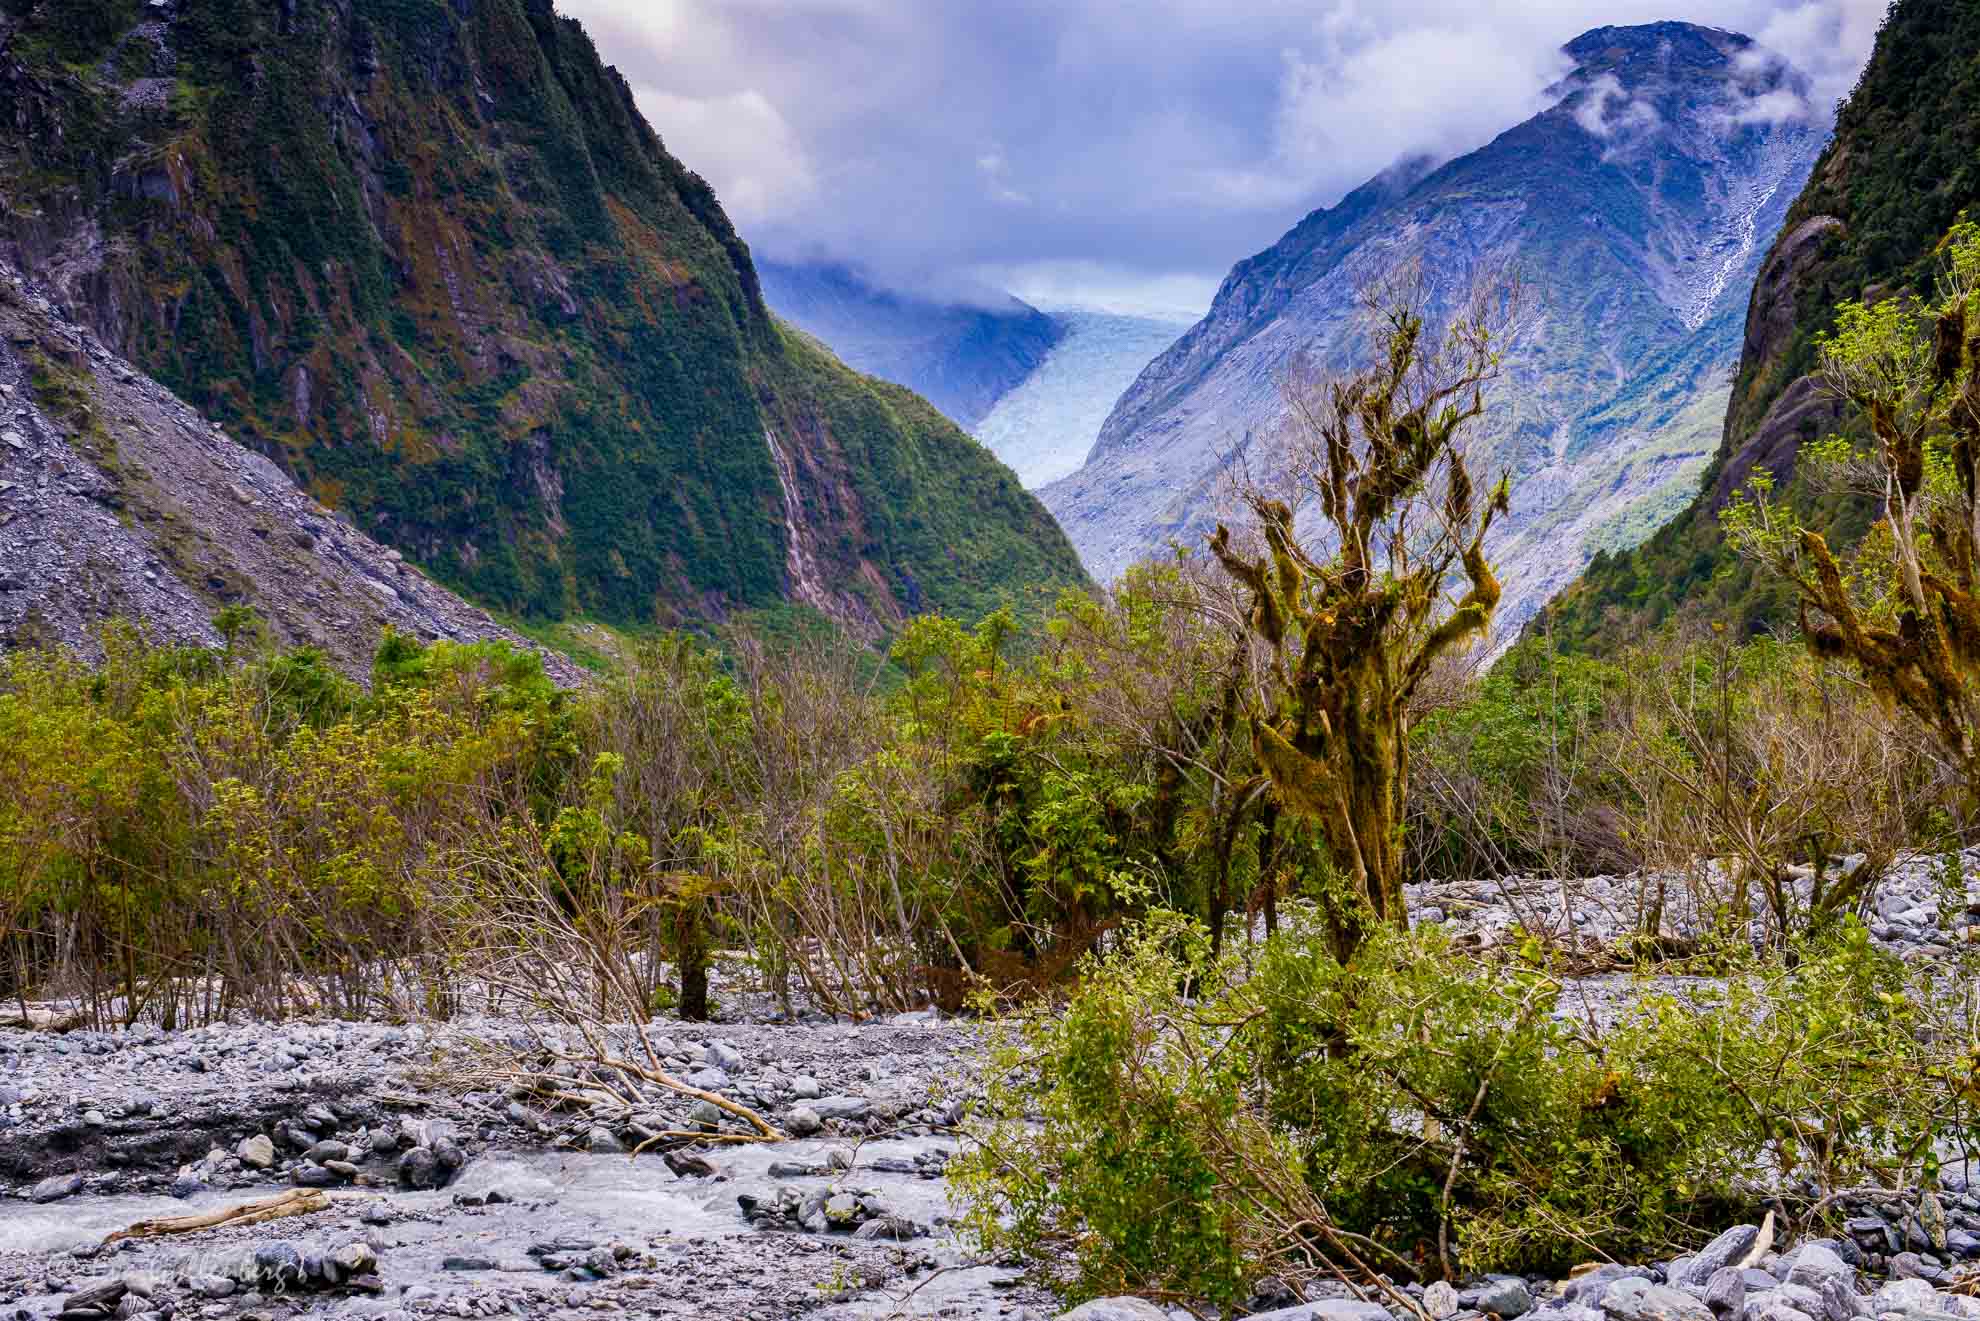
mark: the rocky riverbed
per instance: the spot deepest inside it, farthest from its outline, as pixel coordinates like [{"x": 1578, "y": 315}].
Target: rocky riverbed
[
  {"x": 1926, "y": 907},
  {"x": 465, "y": 1169},
  {"x": 448, "y": 1195}
]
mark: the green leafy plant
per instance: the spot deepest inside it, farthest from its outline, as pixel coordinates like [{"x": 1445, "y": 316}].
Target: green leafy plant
[{"x": 1418, "y": 1113}]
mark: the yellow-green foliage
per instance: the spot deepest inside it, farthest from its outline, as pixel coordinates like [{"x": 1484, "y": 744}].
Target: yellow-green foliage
[
  {"x": 183, "y": 814},
  {"x": 185, "y": 830},
  {"x": 975, "y": 815}
]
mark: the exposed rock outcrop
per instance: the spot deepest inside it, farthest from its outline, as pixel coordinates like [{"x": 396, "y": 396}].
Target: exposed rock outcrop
[{"x": 1867, "y": 225}]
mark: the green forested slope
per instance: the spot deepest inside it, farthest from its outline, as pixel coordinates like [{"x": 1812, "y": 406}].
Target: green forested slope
[
  {"x": 429, "y": 256},
  {"x": 1905, "y": 161}
]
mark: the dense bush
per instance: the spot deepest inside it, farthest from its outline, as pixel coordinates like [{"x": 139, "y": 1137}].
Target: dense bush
[
  {"x": 1733, "y": 778},
  {"x": 1419, "y": 1113},
  {"x": 185, "y": 832}
]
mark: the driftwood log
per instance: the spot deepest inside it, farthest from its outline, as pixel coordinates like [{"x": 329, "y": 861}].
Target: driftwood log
[
  {"x": 295, "y": 1202},
  {"x": 36, "y": 1019}
]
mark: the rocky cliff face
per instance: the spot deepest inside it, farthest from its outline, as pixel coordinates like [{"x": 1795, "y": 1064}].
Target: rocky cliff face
[
  {"x": 1903, "y": 164},
  {"x": 117, "y": 501},
  {"x": 1635, "y": 211},
  {"x": 960, "y": 357},
  {"x": 426, "y": 257}
]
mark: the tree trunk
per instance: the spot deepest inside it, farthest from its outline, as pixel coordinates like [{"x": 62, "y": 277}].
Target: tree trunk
[
  {"x": 1267, "y": 844},
  {"x": 693, "y": 960},
  {"x": 1363, "y": 824}
]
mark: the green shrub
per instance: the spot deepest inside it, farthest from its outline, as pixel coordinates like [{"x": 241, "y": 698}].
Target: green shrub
[{"x": 1426, "y": 1114}]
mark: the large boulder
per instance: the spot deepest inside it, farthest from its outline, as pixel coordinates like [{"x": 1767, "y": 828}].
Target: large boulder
[
  {"x": 1725, "y": 1250},
  {"x": 1906, "y": 1296},
  {"x": 842, "y": 1107},
  {"x": 1116, "y": 1309},
  {"x": 1329, "y": 1309},
  {"x": 1503, "y": 1296},
  {"x": 1816, "y": 1261},
  {"x": 1640, "y": 1300}
]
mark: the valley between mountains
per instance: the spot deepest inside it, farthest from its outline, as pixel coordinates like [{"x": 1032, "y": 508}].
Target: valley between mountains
[{"x": 851, "y": 659}]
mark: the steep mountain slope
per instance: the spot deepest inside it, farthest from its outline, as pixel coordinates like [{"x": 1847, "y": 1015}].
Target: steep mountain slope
[
  {"x": 1904, "y": 163},
  {"x": 1630, "y": 209},
  {"x": 117, "y": 501},
  {"x": 959, "y": 357},
  {"x": 1045, "y": 426},
  {"x": 426, "y": 255}
]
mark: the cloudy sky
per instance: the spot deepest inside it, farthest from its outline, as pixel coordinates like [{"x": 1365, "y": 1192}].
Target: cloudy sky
[{"x": 1121, "y": 151}]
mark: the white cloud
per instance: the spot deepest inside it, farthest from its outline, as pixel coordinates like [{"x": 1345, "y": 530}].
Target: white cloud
[
  {"x": 1591, "y": 109},
  {"x": 1605, "y": 110},
  {"x": 1163, "y": 296},
  {"x": 917, "y": 137},
  {"x": 1828, "y": 40},
  {"x": 1779, "y": 106},
  {"x": 739, "y": 142},
  {"x": 1352, "y": 104},
  {"x": 996, "y": 172}
]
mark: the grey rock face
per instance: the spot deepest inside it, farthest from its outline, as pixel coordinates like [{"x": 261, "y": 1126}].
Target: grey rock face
[
  {"x": 1906, "y": 1296},
  {"x": 87, "y": 519},
  {"x": 257, "y": 1152},
  {"x": 1329, "y": 1309},
  {"x": 418, "y": 1168},
  {"x": 891, "y": 1228},
  {"x": 1815, "y": 1262},
  {"x": 1506, "y": 1297},
  {"x": 328, "y": 1150},
  {"x": 1725, "y": 1292},
  {"x": 1440, "y": 1300},
  {"x": 1590, "y": 1287},
  {"x": 56, "y": 1187},
  {"x": 842, "y": 1107}
]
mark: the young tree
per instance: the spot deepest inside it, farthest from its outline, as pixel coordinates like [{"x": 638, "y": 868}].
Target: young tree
[
  {"x": 1905, "y": 613},
  {"x": 1351, "y": 635}
]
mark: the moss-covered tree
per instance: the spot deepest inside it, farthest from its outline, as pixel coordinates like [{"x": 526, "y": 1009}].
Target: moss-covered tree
[
  {"x": 1906, "y": 609},
  {"x": 1352, "y": 634}
]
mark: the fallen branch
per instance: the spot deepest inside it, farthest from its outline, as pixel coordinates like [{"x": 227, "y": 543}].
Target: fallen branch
[
  {"x": 1761, "y": 1245},
  {"x": 44, "y": 1020},
  {"x": 661, "y": 1078},
  {"x": 295, "y": 1202}
]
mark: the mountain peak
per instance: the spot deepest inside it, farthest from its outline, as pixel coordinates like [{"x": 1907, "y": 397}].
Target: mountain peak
[
  {"x": 1634, "y": 204},
  {"x": 1652, "y": 81},
  {"x": 1616, "y": 49}
]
